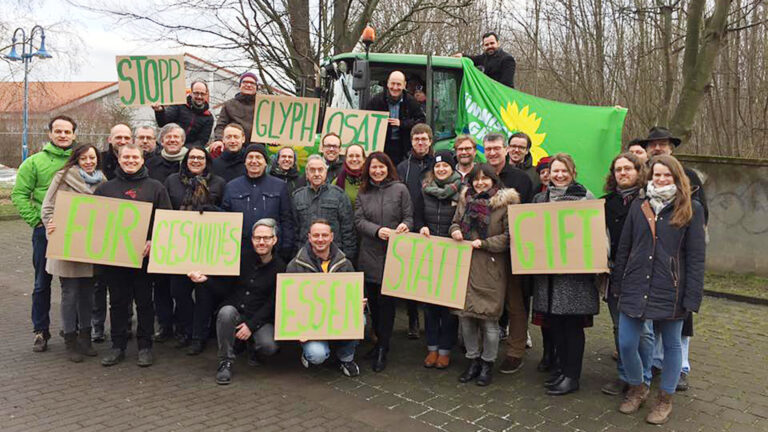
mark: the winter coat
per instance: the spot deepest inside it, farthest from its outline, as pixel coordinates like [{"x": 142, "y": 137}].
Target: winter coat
[
  {"x": 529, "y": 169},
  {"x": 262, "y": 197},
  {"x": 109, "y": 162},
  {"x": 565, "y": 294},
  {"x": 161, "y": 168},
  {"x": 438, "y": 214},
  {"x": 411, "y": 114},
  {"x": 328, "y": 202},
  {"x": 616, "y": 210},
  {"x": 236, "y": 110},
  {"x": 137, "y": 187},
  {"x": 334, "y": 168},
  {"x": 489, "y": 271},
  {"x": 196, "y": 122},
  {"x": 253, "y": 292},
  {"x": 291, "y": 177},
  {"x": 518, "y": 180},
  {"x": 176, "y": 190},
  {"x": 697, "y": 192},
  {"x": 411, "y": 172},
  {"x": 659, "y": 268},
  {"x": 500, "y": 66},
  {"x": 66, "y": 181},
  {"x": 385, "y": 205},
  {"x": 33, "y": 178},
  {"x": 307, "y": 262},
  {"x": 229, "y": 166}
]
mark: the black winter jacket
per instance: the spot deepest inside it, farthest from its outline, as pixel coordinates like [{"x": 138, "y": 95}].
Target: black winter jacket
[
  {"x": 236, "y": 110},
  {"x": 161, "y": 168},
  {"x": 530, "y": 170},
  {"x": 109, "y": 162},
  {"x": 196, "y": 122},
  {"x": 176, "y": 190},
  {"x": 411, "y": 114},
  {"x": 331, "y": 203},
  {"x": 500, "y": 66},
  {"x": 262, "y": 197},
  {"x": 253, "y": 292},
  {"x": 229, "y": 166},
  {"x": 438, "y": 214},
  {"x": 518, "y": 180},
  {"x": 697, "y": 192},
  {"x": 659, "y": 269},
  {"x": 411, "y": 172},
  {"x": 616, "y": 210}
]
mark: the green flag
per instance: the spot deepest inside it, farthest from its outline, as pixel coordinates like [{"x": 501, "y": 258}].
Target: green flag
[{"x": 592, "y": 135}]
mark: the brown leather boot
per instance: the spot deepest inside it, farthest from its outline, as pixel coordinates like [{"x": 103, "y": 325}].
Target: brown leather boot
[
  {"x": 431, "y": 359},
  {"x": 661, "y": 410},
  {"x": 634, "y": 399}
]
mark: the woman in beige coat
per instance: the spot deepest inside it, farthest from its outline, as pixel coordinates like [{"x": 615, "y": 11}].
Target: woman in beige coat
[
  {"x": 481, "y": 217},
  {"x": 80, "y": 174}
]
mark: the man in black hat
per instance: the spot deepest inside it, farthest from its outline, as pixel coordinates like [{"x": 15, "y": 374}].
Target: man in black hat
[{"x": 660, "y": 141}]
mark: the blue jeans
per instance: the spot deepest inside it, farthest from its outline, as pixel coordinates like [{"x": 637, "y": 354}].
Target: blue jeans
[
  {"x": 442, "y": 328},
  {"x": 635, "y": 362},
  {"x": 646, "y": 342},
  {"x": 41, "y": 294},
  {"x": 658, "y": 353},
  {"x": 316, "y": 352}
]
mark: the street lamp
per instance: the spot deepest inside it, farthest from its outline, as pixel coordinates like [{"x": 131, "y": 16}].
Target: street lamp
[{"x": 26, "y": 57}]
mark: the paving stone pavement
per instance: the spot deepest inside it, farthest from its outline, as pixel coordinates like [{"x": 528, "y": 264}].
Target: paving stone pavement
[{"x": 42, "y": 392}]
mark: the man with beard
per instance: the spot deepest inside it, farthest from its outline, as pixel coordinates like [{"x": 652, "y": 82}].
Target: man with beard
[
  {"x": 404, "y": 113},
  {"x": 496, "y": 63},
  {"x": 193, "y": 116},
  {"x": 519, "y": 152},
  {"x": 237, "y": 110},
  {"x": 330, "y": 148},
  {"x": 466, "y": 149}
]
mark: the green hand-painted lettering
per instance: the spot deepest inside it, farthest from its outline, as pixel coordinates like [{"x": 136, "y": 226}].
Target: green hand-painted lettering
[
  {"x": 563, "y": 235},
  {"x": 526, "y": 258},
  {"x": 71, "y": 228},
  {"x": 586, "y": 216},
  {"x": 548, "y": 239},
  {"x": 123, "y": 77},
  {"x": 123, "y": 230},
  {"x": 394, "y": 286}
]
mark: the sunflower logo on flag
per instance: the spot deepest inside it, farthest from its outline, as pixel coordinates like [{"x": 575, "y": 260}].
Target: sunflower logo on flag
[{"x": 521, "y": 120}]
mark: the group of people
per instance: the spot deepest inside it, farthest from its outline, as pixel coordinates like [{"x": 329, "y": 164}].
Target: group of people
[{"x": 338, "y": 217}]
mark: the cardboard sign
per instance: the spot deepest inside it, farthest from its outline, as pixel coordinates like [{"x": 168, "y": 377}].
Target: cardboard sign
[
  {"x": 185, "y": 241},
  {"x": 431, "y": 270},
  {"x": 319, "y": 306},
  {"x": 145, "y": 80},
  {"x": 558, "y": 237},
  {"x": 285, "y": 120},
  {"x": 99, "y": 230},
  {"x": 367, "y": 128}
]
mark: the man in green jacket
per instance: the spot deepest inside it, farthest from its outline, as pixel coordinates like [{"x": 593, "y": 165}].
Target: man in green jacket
[{"x": 32, "y": 181}]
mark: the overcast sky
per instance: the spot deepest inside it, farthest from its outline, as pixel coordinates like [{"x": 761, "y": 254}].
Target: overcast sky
[{"x": 84, "y": 45}]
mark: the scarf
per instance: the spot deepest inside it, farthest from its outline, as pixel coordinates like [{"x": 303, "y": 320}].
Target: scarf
[
  {"x": 290, "y": 174},
  {"x": 354, "y": 176},
  {"x": 572, "y": 192},
  {"x": 477, "y": 213},
  {"x": 174, "y": 158},
  {"x": 142, "y": 173},
  {"x": 444, "y": 189},
  {"x": 628, "y": 194},
  {"x": 660, "y": 197},
  {"x": 91, "y": 179}
]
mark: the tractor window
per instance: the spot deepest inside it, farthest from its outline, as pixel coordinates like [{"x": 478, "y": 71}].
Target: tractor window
[{"x": 446, "y": 88}]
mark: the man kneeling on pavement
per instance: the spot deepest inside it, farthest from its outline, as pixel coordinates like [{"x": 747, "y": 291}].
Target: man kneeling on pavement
[
  {"x": 321, "y": 255},
  {"x": 248, "y": 311}
]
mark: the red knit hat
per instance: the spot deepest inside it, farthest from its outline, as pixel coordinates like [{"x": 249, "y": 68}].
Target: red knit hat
[{"x": 543, "y": 163}]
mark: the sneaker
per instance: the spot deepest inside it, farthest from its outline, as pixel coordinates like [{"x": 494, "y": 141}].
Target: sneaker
[
  {"x": 528, "y": 341},
  {"x": 97, "y": 335},
  {"x": 511, "y": 365},
  {"x": 224, "y": 372},
  {"x": 113, "y": 357},
  {"x": 304, "y": 362},
  {"x": 682, "y": 383},
  {"x": 41, "y": 342},
  {"x": 162, "y": 335},
  {"x": 145, "y": 358},
  {"x": 615, "y": 387},
  {"x": 349, "y": 368}
]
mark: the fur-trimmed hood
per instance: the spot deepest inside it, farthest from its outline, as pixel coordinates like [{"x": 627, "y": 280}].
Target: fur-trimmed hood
[{"x": 503, "y": 197}]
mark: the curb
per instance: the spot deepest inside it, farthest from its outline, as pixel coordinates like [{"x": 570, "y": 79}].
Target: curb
[{"x": 737, "y": 297}]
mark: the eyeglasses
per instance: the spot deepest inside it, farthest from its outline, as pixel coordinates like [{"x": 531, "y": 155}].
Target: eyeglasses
[
  {"x": 331, "y": 146},
  {"x": 259, "y": 239},
  {"x": 248, "y": 83},
  {"x": 197, "y": 158},
  {"x": 464, "y": 149},
  {"x": 521, "y": 148},
  {"x": 199, "y": 93}
]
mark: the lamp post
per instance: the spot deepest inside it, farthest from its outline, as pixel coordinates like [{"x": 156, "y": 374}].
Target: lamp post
[{"x": 26, "y": 57}]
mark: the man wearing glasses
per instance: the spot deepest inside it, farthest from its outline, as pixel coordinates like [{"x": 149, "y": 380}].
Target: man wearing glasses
[
  {"x": 466, "y": 149},
  {"x": 194, "y": 116},
  {"x": 520, "y": 157},
  {"x": 237, "y": 110},
  {"x": 330, "y": 147},
  {"x": 248, "y": 311}
]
